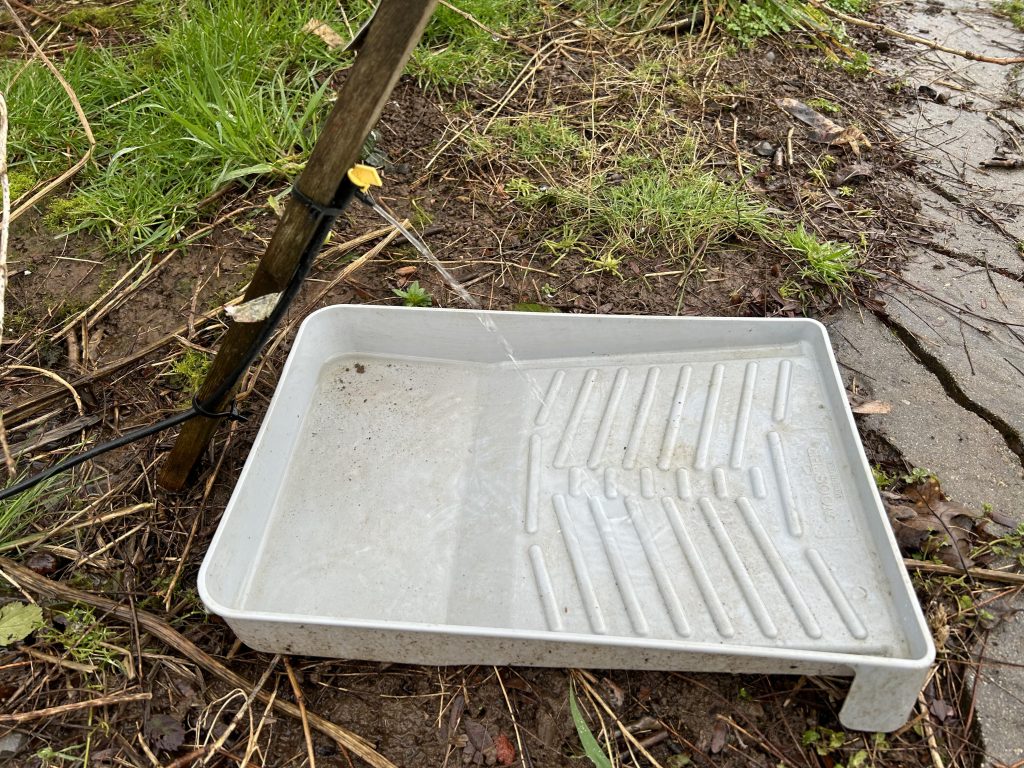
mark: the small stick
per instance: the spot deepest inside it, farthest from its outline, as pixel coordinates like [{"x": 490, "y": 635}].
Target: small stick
[
  {"x": 66, "y": 663},
  {"x": 54, "y": 377},
  {"x": 102, "y": 701},
  {"x": 5, "y": 225},
  {"x": 246, "y": 707},
  {"x": 935, "y": 46},
  {"x": 512, "y": 714},
  {"x": 301, "y": 701},
  {"x": 983, "y": 574}
]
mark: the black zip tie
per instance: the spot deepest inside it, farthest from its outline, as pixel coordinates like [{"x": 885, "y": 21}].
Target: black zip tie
[
  {"x": 231, "y": 414},
  {"x": 325, "y": 211}
]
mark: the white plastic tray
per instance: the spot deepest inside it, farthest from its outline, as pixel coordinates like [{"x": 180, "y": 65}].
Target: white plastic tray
[{"x": 633, "y": 492}]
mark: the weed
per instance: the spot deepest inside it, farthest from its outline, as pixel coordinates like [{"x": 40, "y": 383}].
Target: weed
[
  {"x": 917, "y": 475},
  {"x": 607, "y": 263},
  {"x": 1013, "y": 10},
  {"x": 858, "y": 66},
  {"x": 882, "y": 478},
  {"x": 85, "y": 638},
  {"x": 1009, "y": 546},
  {"x": 414, "y": 295},
  {"x": 828, "y": 264},
  {"x": 189, "y": 371},
  {"x": 52, "y": 758},
  {"x": 824, "y": 105},
  {"x": 824, "y": 740},
  {"x": 597, "y": 756}
]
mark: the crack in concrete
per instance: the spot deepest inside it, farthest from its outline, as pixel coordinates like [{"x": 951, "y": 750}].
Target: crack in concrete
[
  {"x": 954, "y": 391},
  {"x": 975, "y": 261}
]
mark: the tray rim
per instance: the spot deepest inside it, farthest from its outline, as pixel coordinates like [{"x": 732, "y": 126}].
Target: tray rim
[{"x": 917, "y": 625}]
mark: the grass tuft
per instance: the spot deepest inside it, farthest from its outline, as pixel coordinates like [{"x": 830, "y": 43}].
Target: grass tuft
[{"x": 827, "y": 264}]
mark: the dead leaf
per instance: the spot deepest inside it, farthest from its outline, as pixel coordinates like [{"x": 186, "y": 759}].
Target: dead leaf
[
  {"x": 924, "y": 520},
  {"x": 165, "y": 732},
  {"x": 503, "y": 750},
  {"x": 718, "y": 736},
  {"x": 853, "y": 173},
  {"x": 480, "y": 748},
  {"x": 406, "y": 271},
  {"x": 824, "y": 130},
  {"x": 325, "y": 32},
  {"x": 874, "y": 406},
  {"x": 42, "y": 563},
  {"x": 255, "y": 311},
  {"x": 941, "y": 710},
  {"x": 616, "y": 696}
]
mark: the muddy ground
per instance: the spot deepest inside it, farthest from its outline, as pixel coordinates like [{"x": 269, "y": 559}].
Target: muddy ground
[{"x": 118, "y": 360}]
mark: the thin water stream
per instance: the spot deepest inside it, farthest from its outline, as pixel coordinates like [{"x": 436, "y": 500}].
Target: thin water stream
[{"x": 460, "y": 290}]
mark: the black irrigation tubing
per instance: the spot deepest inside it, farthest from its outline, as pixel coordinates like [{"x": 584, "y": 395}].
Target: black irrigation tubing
[{"x": 326, "y": 216}]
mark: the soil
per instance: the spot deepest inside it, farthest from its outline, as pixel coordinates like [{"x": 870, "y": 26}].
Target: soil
[{"x": 494, "y": 249}]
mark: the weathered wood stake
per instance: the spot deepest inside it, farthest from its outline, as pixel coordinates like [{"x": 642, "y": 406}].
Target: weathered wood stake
[{"x": 387, "y": 45}]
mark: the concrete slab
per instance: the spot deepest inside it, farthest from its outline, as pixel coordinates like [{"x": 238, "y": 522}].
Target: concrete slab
[
  {"x": 961, "y": 412},
  {"x": 925, "y": 425}
]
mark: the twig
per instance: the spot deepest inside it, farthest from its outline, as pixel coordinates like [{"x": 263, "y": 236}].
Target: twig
[
  {"x": 171, "y": 637},
  {"x": 246, "y": 707},
  {"x": 301, "y": 701},
  {"x": 5, "y": 226},
  {"x": 56, "y": 182},
  {"x": 625, "y": 732},
  {"x": 512, "y": 714},
  {"x": 61, "y": 709},
  {"x": 983, "y": 574},
  {"x": 929, "y": 732},
  {"x": 66, "y": 663},
  {"x": 935, "y": 46},
  {"x": 54, "y": 377}
]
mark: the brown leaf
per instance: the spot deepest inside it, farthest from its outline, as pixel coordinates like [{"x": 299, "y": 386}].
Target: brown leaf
[
  {"x": 941, "y": 710},
  {"x": 874, "y": 406},
  {"x": 42, "y": 563},
  {"x": 932, "y": 524},
  {"x": 718, "y": 736},
  {"x": 324, "y": 31},
  {"x": 480, "y": 749},
  {"x": 165, "y": 732},
  {"x": 853, "y": 173},
  {"x": 406, "y": 271},
  {"x": 503, "y": 750}
]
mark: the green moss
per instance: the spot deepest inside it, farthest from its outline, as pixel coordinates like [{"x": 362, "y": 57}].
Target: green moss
[
  {"x": 1012, "y": 10},
  {"x": 99, "y": 16}
]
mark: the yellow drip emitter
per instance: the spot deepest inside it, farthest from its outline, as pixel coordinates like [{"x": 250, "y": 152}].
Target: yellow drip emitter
[{"x": 364, "y": 177}]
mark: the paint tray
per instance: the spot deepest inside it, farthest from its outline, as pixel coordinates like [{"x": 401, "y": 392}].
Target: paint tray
[{"x": 457, "y": 487}]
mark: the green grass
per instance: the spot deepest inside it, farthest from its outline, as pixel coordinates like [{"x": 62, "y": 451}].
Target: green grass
[
  {"x": 1013, "y": 10},
  {"x": 825, "y": 264},
  {"x": 18, "y": 513},
  {"x": 455, "y": 51},
  {"x": 218, "y": 95},
  {"x": 670, "y": 212}
]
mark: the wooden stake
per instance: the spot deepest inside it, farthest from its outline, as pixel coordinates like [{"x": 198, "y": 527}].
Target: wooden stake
[{"x": 396, "y": 27}]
